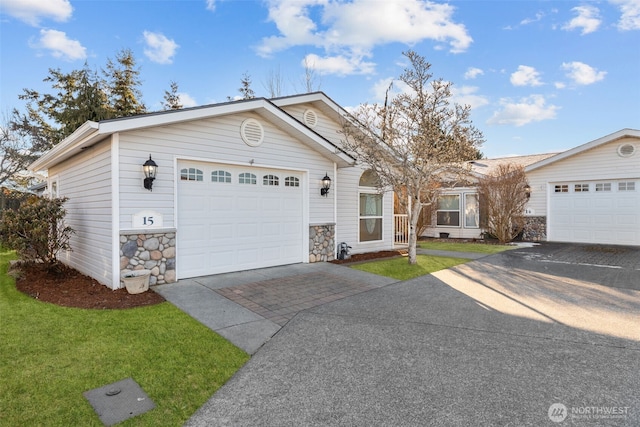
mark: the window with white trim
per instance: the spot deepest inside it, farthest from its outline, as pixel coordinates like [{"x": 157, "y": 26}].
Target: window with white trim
[
  {"x": 561, "y": 188},
  {"x": 191, "y": 174},
  {"x": 448, "y": 213},
  {"x": 471, "y": 211},
  {"x": 603, "y": 187},
  {"x": 221, "y": 176},
  {"x": 581, "y": 188},
  {"x": 370, "y": 209},
  {"x": 270, "y": 180},
  {"x": 370, "y": 217},
  {"x": 292, "y": 181},
  {"x": 627, "y": 186},
  {"x": 247, "y": 178}
]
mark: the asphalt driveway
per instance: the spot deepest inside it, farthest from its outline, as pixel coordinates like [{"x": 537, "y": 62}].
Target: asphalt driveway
[{"x": 518, "y": 338}]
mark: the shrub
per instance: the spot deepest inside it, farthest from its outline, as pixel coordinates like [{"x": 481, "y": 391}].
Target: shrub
[
  {"x": 503, "y": 197},
  {"x": 36, "y": 230}
]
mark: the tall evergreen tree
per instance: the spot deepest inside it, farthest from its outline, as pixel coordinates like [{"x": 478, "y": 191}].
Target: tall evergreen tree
[
  {"x": 171, "y": 98},
  {"x": 123, "y": 81}
]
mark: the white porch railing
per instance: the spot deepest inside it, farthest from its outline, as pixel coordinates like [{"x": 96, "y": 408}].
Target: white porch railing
[{"x": 401, "y": 229}]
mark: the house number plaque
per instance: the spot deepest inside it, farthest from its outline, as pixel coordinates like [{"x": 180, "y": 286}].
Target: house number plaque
[{"x": 147, "y": 219}]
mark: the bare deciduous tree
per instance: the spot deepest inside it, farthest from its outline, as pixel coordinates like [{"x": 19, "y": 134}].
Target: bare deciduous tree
[
  {"x": 274, "y": 83},
  {"x": 503, "y": 197},
  {"x": 414, "y": 139}
]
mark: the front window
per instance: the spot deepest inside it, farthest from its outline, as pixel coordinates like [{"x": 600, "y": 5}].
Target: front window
[
  {"x": 471, "y": 211},
  {"x": 370, "y": 217},
  {"x": 448, "y": 214}
]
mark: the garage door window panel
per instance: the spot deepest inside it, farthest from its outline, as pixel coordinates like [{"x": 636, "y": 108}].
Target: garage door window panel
[
  {"x": 581, "y": 188},
  {"x": 247, "y": 178},
  {"x": 270, "y": 180},
  {"x": 291, "y": 181},
  {"x": 627, "y": 186},
  {"x": 221, "y": 176},
  {"x": 603, "y": 187},
  {"x": 561, "y": 188},
  {"x": 191, "y": 174}
]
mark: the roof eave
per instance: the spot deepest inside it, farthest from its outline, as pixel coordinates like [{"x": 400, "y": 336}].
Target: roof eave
[
  {"x": 67, "y": 146},
  {"x": 623, "y": 133}
]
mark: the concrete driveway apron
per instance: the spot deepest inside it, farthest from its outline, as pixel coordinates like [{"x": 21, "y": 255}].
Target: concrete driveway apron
[{"x": 510, "y": 339}]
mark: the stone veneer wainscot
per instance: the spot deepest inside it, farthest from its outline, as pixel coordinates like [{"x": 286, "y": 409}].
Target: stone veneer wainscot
[
  {"x": 535, "y": 229},
  {"x": 151, "y": 251},
  {"x": 322, "y": 242}
]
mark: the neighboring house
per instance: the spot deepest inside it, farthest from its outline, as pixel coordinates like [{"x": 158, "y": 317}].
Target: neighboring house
[
  {"x": 238, "y": 186},
  {"x": 588, "y": 194},
  {"x": 456, "y": 213}
]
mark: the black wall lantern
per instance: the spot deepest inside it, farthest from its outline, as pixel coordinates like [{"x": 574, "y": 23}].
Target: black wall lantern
[
  {"x": 326, "y": 184},
  {"x": 527, "y": 191},
  {"x": 150, "y": 168}
]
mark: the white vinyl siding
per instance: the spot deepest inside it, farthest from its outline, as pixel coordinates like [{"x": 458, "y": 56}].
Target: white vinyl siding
[
  {"x": 348, "y": 190},
  {"x": 217, "y": 140},
  {"x": 86, "y": 181}
]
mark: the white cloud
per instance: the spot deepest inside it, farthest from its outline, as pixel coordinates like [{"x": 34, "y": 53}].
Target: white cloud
[
  {"x": 159, "y": 48},
  {"x": 60, "y": 46},
  {"x": 630, "y": 18},
  {"x": 186, "y": 100},
  {"x": 537, "y": 18},
  {"x": 472, "y": 73},
  {"x": 397, "y": 87},
  {"x": 350, "y": 30},
  {"x": 339, "y": 64},
  {"x": 33, "y": 11},
  {"x": 466, "y": 95},
  {"x": 211, "y": 5},
  {"x": 582, "y": 74},
  {"x": 588, "y": 19},
  {"x": 527, "y": 110},
  {"x": 526, "y": 76}
]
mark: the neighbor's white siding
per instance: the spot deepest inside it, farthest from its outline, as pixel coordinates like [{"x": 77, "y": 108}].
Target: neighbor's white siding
[
  {"x": 86, "y": 180},
  {"x": 600, "y": 163},
  {"x": 216, "y": 140}
]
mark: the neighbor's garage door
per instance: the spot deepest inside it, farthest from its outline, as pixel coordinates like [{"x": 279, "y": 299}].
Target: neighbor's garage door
[
  {"x": 233, "y": 218},
  {"x": 595, "y": 212}
]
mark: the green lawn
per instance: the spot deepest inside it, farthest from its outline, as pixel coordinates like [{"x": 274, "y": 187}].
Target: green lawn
[
  {"x": 399, "y": 268},
  {"x": 50, "y": 355},
  {"x": 465, "y": 247}
]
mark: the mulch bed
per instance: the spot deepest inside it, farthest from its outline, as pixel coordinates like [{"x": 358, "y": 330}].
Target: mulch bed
[{"x": 67, "y": 287}]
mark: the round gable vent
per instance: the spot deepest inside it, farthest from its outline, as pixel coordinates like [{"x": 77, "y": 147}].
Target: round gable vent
[
  {"x": 626, "y": 150},
  {"x": 310, "y": 118},
  {"x": 252, "y": 132}
]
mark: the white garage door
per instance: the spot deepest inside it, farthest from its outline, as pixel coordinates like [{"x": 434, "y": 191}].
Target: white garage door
[
  {"x": 595, "y": 212},
  {"x": 233, "y": 218}
]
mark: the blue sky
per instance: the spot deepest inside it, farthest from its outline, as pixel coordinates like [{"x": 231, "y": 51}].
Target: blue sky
[{"x": 541, "y": 76}]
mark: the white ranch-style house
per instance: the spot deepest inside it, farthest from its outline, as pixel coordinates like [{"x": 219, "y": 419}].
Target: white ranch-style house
[
  {"x": 239, "y": 185},
  {"x": 265, "y": 182},
  {"x": 588, "y": 194}
]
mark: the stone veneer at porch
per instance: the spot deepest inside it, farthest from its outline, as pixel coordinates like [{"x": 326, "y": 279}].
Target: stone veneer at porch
[
  {"x": 150, "y": 251},
  {"x": 322, "y": 242}
]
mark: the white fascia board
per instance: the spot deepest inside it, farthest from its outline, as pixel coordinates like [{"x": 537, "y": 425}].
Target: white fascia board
[
  {"x": 85, "y": 132},
  {"x": 164, "y": 118},
  {"x": 623, "y": 133}
]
